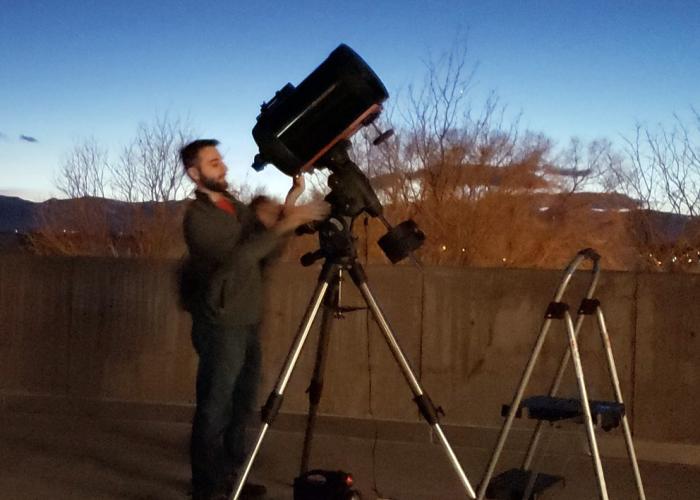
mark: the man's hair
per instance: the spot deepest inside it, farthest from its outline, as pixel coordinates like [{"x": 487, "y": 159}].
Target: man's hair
[{"x": 189, "y": 153}]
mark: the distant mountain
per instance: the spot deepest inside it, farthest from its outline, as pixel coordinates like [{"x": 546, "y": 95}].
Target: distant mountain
[
  {"x": 19, "y": 217},
  {"x": 17, "y": 214},
  {"x": 22, "y": 216}
]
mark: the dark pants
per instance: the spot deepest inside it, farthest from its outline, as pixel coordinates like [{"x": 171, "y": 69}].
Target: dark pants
[{"x": 227, "y": 382}]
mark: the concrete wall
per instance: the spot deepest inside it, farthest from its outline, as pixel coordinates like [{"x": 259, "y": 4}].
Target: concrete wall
[
  {"x": 93, "y": 329},
  {"x": 99, "y": 330}
]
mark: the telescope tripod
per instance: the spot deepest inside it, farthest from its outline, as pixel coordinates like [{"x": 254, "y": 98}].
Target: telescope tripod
[{"x": 326, "y": 289}]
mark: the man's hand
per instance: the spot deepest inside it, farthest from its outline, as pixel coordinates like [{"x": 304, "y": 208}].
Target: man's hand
[
  {"x": 295, "y": 216},
  {"x": 295, "y": 192},
  {"x": 267, "y": 212}
]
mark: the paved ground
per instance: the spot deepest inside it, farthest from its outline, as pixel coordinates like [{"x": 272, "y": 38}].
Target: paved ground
[{"x": 62, "y": 457}]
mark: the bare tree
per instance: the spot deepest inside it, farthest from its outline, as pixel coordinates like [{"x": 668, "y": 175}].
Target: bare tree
[
  {"x": 661, "y": 170},
  {"x": 638, "y": 177},
  {"x": 141, "y": 219},
  {"x": 83, "y": 171},
  {"x": 677, "y": 157},
  {"x": 485, "y": 193},
  {"x": 125, "y": 176},
  {"x": 149, "y": 168},
  {"x": 581, "y": 166}
]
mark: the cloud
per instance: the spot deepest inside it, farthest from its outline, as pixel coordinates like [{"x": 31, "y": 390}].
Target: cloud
[
  {"x": 3, "y": 137},
  {"x": 28, "y": 138}
]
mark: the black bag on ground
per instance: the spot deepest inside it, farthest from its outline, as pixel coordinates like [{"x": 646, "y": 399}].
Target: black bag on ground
[{"x": 320, "y": 484}]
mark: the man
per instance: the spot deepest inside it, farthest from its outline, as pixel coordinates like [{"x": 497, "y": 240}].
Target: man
[{"x": 222, "y": 288}]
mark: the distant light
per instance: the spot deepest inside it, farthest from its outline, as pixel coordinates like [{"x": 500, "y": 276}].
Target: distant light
[
  {"x": 543, "y": 209},
  {"x": 504, "y": 259},
  {"x": 464, "y": 250},
  {"x": 596, "y": 209},
  {"x": 623, "y": 209},
  {"x": 674, "y": 259},
  {"x": 443, "y": 248}
]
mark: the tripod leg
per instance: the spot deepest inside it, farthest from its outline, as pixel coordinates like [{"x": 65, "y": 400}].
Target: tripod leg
[
  {"x": 274, "y": 400},
  {"x": 585, "y": 406},
  {"x": 316, "y": 385},
  {"x": 425, "y": 405},
  {"x": 618, "y": 396}
]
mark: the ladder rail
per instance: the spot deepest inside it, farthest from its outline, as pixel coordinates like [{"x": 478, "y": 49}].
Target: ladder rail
[
  {"x": 585, "y": 406},
  {"x": 505, "y": 429},
  {"x": 612, "y": 370},
  {"x": 559, "y": 310},
  {"x": 563, "y": 364},
  {"x": 582, "y": 255}
]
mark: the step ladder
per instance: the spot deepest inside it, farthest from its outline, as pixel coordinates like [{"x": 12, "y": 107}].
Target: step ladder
[{"x": 518, "y": 484}]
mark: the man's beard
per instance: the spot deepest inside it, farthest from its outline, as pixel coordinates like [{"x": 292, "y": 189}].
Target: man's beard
[{"x": 218, "y": 186}]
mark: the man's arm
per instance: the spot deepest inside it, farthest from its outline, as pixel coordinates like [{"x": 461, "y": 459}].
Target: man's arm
[
  {"x": 224, "y": 243},
  {"x": 295, "y": 192},
  {"x": 261, "y": 244}
]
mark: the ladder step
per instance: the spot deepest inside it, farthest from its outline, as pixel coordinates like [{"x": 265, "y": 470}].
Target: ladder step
[
  {"x": 606, "y": 413},
  {"x": 511, "y": 484}
]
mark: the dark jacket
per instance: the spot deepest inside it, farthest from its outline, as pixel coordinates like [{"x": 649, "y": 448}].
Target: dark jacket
[{"x": 222, "y": 278}]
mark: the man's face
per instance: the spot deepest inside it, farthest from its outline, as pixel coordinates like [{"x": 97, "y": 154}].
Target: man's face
[{"x": 210, "y": 170}]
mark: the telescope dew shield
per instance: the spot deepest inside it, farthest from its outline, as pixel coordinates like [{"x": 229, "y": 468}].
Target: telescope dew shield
[{"x": 300, "y": 124}]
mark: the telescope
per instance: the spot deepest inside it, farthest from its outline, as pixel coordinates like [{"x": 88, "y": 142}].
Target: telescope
[
  {"x": 299, "y": 125},
  {"x": 309, "y": 126}
]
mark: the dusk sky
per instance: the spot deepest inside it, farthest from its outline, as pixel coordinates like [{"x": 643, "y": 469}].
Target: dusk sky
[{"x": 71, "y": 70}]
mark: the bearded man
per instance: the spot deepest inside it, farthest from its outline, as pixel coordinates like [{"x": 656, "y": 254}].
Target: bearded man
[{"x": 222, "y": 288}]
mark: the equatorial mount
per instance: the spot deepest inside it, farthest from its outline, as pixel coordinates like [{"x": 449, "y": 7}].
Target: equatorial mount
[{"x": 352, "y": 194}]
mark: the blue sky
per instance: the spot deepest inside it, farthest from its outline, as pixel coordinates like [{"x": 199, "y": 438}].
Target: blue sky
[{"x": 71, "y": 70}]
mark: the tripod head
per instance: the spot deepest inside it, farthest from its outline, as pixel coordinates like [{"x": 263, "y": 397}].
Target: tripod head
[{"x": 351, "y": 194}]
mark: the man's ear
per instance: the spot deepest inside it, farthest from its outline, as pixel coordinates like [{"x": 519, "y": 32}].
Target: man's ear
[{"x": 193, "y": 173}]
